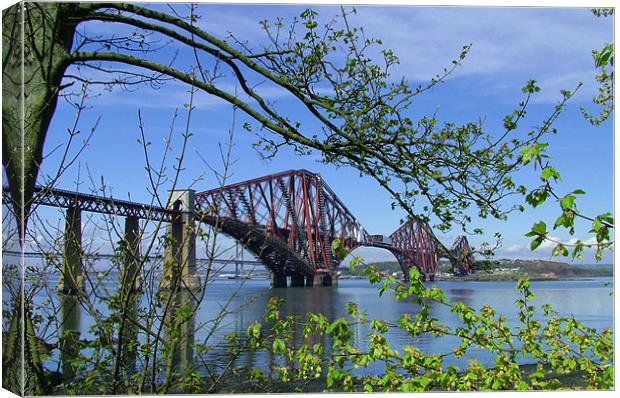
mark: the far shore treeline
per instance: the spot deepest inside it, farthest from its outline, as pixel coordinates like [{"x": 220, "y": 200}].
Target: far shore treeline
[{"x": 507, "y": 269}]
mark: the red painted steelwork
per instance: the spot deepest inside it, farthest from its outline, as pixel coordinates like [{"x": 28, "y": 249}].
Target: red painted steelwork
[
  {"x": 297, "y": 211},
  {"x": 288, "y": 220},
  {"x": 418, "y": 247},
  {"x": 461, "y": 254},
  {"x": 295, "y": 206}
]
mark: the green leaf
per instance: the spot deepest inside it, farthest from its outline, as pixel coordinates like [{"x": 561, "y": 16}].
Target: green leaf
[
  {"x": 333, "y": 376},
  {"x": 353, "y": 263},
  {"x": 602, "y": 57},
  {"x": 414, "y": 274},
  {"x": 278, "y": 345},
  {"x": 530, "y": 87},
  {"x": 424, "y": 382},
  {"x": 526, "y": 155},
  {"x": 596, "y": 225},
  {"x": 602, "y": 234},
  {"x": 567, "y": 202},
  {"x": 537, "y": 197},
  {"x": 549, "y": 172},
  {"x": 535, "y": 243},
  {"x": 560, "y": 249},
  {"x": 540, "y": 228}
]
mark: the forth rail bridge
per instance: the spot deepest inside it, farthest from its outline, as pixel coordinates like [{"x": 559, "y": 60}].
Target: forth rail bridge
[{"x": 288, "y": 220}]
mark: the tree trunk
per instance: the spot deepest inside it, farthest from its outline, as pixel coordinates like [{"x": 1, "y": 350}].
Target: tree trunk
[{"x": 36, "y": 40}]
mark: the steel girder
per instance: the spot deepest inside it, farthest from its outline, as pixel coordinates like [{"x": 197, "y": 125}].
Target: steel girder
[
  {"x": 296, "y": 213},
  {"x": 288, "y": 220},
  {"x": 415, "y": 245},
  {"x": 95, "y": 204},
  {"x": 461, "y": 255}
]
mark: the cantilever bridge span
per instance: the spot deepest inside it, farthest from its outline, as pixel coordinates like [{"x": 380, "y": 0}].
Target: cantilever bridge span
[{"x": 288, "y": 220}]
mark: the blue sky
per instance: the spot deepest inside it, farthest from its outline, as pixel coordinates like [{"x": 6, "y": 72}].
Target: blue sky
[{"x": 510, "y": 45}]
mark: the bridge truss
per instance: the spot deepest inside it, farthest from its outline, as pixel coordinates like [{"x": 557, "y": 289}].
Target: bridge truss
[
  {"x": 96, "y": 204},
  {"x": 288, "y": 220}
]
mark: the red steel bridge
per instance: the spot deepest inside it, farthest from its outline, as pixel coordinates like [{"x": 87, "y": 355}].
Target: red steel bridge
[{"x": 289, "y": 221}]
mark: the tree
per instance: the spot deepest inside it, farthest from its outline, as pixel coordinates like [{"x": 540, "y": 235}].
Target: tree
[
  {"x": 601, "y": 224},
  {"x": 363, "y": 123},
  {"x": 603, "y": 59},
  {"x": 362, "y": 113}
]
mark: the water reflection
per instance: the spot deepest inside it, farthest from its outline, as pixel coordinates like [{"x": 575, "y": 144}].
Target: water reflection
[
  {"x": 129, "y": 336},
  {"x": 70, "y": 328},
  {"x": 180, "y": 328},
  {"x": 219, "y": 314},
  {"x": 461, "y": 294}
]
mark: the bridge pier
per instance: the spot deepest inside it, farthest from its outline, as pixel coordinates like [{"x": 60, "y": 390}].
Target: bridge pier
[
  {"x": 179, "y": 330},
  {"x": 297, "y": 280},
  {"x": 314, "y": 280},
  {"x": 72, "y": 269},
  {"x": 320, "y": 279},
  {"x": 130, "y": 285},
  {"x": 69, "y": 334},
  {"x": 278, "y": 280},
  {"x": 330, "y": 279},
  {"x": 130, "y": 280},
  {"x": 180, "y": 254}
]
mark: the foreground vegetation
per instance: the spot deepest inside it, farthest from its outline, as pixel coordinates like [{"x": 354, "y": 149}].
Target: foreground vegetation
[
  {"x": 362, "y": 114},
  {"x": 563, "y": 352},
  {"x": 560, "y": 346}
]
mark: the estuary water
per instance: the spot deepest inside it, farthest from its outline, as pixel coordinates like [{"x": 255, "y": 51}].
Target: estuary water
[
  {"x": 244, "y": 301},
  {"x": 589, "y": 300}
]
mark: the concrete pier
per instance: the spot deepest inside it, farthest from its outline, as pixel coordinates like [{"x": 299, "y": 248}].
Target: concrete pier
[
  {"x": 298, "y": 280},
  {"x": 129, "y": 337},
  {"x": 69, "y": 334},
  {"x": 180, "y": 256},
  {"x": 179, "y": 329},
  {"x": 278, "y": 280},
  {"x": 131, "y": 257},
  {"x": 329, "y": 279},
  {"x": 72, "y": 269}
]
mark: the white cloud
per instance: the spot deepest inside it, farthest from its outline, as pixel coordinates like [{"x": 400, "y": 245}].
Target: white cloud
[
  {"x": 551, "y": 45},
  {"x": 523, "y": 251},
  {"x": 513, "y": 249},
  {"x": 510, "y": 46}
]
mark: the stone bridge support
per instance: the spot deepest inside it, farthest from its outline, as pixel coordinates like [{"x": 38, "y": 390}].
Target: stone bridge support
[
  {"x": 278, "y": 279},
  {"x": 130, "y": 278},
  {"x": 68, "y": 342},
  {"x": 298, "y": 280},
  {"x": 179, "y": 330},
  {"x": 313, "y": 280},
  {"x": 180, "y": 255},
  {"x": 72, "y": 269},
  {"x": 330, "y": 279}
]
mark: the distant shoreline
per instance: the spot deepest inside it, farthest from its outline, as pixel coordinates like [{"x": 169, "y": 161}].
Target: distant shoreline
[
  {"x": 480, "y": 277},
  {"x": 488, "y": 277},
  {"x": 502, "y": 270}
]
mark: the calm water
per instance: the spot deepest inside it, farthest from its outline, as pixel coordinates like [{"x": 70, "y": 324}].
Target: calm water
[{"x": 589, "y": 300}]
